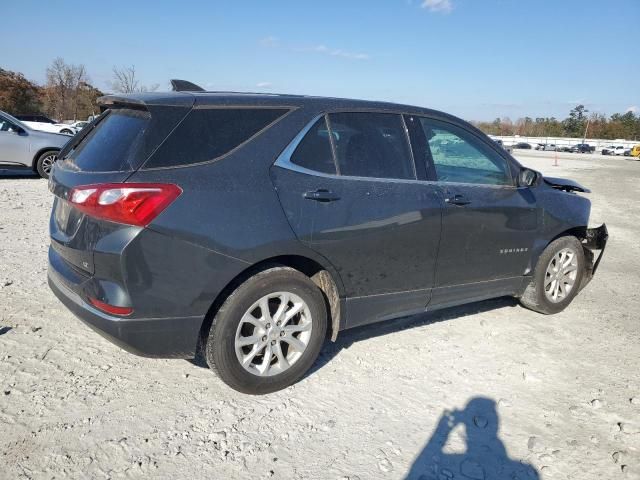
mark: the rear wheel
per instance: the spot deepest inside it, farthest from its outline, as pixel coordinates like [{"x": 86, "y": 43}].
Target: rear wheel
[
  {"x": 268, "y": 332},
  {"x": 45, "y": 163},
  {"x": 557, "y": 277},
  {"x": 66, "y": 131}
]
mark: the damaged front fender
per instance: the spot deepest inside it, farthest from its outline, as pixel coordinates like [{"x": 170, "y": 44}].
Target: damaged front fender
[{"x": 595, "y": 241}]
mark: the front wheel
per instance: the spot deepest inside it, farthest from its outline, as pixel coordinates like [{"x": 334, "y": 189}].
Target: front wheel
[
  {"x": 45, "y": 162},
  {"x": 268, "y": 332},
  {"x": 557, "y": 277}
]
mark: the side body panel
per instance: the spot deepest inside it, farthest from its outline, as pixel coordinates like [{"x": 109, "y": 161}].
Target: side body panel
[
  {"x": 486, "y": 245},
  {"x": 381, "y": 236},
  {"x": 15, "y": 148},
  {"x": 561, "y": 212}
]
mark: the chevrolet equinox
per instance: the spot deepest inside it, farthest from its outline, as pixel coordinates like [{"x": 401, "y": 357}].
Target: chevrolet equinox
[{"x": 251, "y": 226}]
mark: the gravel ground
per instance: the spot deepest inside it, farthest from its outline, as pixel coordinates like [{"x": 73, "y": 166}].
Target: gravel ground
[{"x": 489, "y": 390}]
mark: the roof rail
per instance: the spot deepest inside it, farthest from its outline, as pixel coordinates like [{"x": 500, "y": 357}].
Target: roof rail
[{"x": 184, "y": 86}]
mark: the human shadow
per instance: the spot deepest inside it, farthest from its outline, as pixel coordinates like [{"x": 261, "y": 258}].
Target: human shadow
[{"x": 485, "y": 456}]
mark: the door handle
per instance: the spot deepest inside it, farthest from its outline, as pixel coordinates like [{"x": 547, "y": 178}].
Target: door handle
[
  {"x": 457, "y": 200},
  {"x": 322, "y": 195}
]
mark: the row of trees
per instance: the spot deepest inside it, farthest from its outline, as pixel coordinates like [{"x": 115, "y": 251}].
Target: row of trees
[
  {"x": 67, "y": 94},
  {"x": 596, "y": 125}
]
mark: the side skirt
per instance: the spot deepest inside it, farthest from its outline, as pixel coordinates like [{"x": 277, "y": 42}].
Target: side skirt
[
  {"x": 444, "y": 297},
  {"x": 376, "y": 308}
]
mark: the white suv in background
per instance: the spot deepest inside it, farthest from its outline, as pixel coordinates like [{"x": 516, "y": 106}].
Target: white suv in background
[
  {"x": 619, "y": 150},
  {"x": 45, "y": 124},
  {"x": 613, "y": 150}
]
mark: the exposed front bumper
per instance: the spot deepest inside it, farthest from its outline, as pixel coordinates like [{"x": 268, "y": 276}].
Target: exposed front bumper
[
  {"x": 148, "y": 337},
  {"x": 595, "y": 241}
]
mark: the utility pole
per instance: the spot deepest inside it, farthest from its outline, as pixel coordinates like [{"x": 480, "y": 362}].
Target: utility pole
[{"x": 584, "y": 138}]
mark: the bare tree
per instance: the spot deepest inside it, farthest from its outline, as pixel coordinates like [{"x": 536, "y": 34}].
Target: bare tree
[
  {"x": 64, "y": 83},
  {"x": 125, "y": 81}
]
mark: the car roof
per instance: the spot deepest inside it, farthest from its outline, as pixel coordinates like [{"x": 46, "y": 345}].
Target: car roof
[{"x": 266, "y": 100}]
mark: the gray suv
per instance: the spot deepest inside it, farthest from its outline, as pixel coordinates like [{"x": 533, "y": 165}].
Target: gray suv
[
  {"x": 256, "y": 225},
  {"x": 22, "y": 146}
]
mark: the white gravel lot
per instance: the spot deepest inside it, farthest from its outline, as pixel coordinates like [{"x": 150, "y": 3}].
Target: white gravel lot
[{"x": 553, "y": 397}]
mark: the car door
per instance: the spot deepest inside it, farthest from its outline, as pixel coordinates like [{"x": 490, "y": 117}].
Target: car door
[
  {"x": 348, "y": 186},
  {"x": 14, "y": 144},
  {"x": 489, "y": 225}
]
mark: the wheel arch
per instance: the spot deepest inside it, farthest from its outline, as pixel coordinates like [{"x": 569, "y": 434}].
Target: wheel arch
[
  {"x": 579, "y": 232},
  {"x": 322, "y": 275},
  {"x": 34, "y": 162}
]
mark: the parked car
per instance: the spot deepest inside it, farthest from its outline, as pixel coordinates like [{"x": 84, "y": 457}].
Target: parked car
[
  {"x": 45, "y": 124},
  {"x": 563, "y": 148},
  {"x": 508, "y": 148},
  {"x": 77, "y": 126},
  {"x": 546, "y": 146},
  {"x": 522, "y": 146},
  {"x": 606, "y": 150},
  {"x": 582, "y": 148},
  {"x": 613, "y": 150},
  {"x": 635, "y": 151},
  {"x": 254, "y": 225},
  {"x": 23, "y": 147}
]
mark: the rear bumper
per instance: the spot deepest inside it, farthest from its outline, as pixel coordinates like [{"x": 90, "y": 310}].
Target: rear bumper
[{"x": 148, "y": 337}]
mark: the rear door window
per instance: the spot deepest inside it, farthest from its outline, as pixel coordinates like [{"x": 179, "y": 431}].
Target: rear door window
[
  {"x": 314, "y": 151},
  {"x": 209, "y": 133},
  {"x": 371, "y": 145}
]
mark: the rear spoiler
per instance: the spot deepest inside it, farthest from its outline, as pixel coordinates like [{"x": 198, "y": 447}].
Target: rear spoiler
[{"x": 142, "y": 101}]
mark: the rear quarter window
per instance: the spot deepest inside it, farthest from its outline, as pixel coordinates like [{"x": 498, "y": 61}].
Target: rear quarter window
[
  {"x": 113, "y": 145},
  {"x": 209, "y": 133}
]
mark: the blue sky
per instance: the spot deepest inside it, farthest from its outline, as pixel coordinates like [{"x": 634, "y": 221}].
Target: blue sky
[{"x": 474, "y": 58}]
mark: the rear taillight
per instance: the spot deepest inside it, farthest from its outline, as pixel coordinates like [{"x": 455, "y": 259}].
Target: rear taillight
[{"x": 129, "y": 203}]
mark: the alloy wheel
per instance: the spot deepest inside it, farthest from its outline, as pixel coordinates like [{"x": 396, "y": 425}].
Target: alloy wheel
[
  {"x": 47, "y": 163},
  {"x": 560, "y": 276},
  {"x": 273, "y": 334}
]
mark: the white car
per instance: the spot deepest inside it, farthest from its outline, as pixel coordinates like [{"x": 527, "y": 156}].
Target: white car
[
  {"x": 619, "y": 150},
  {"x": 77, "y": 126},
  {"x": 613, "y": 150},
  {"x": 45, "y": 124}
]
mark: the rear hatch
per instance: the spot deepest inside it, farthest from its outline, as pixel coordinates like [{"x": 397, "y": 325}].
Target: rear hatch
[{"x": 108, "y": 151}]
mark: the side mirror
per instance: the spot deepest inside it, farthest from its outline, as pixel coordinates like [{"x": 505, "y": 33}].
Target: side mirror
[
  {"x": 528, "y": 178},
  {"x": 18, "y": 130}
]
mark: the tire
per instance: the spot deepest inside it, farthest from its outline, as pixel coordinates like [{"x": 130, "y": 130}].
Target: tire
[
  {"x": 536, "y": 297},
  {"x": 66, "y": 131},
  {"x": 45, "y": 162},
  {"x": 229, "y": 326}
]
